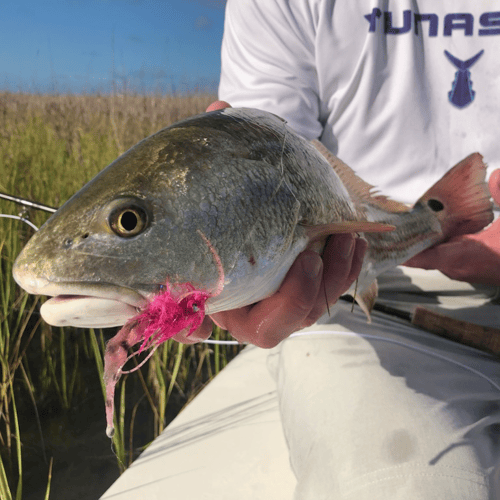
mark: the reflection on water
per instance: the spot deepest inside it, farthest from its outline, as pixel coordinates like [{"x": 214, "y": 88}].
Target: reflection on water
[{"x": 84, "y": 464}]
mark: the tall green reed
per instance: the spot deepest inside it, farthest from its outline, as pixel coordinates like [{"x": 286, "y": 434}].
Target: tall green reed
[{"x": 49, "y": 147}]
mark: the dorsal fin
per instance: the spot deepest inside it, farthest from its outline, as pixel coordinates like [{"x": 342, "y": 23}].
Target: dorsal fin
[{"x": 361, "y": 192}]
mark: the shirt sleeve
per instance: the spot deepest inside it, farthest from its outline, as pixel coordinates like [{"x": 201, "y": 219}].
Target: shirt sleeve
[{"x": 268, "y": 61}]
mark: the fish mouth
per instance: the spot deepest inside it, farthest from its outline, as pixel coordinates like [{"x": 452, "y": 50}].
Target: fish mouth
[
  {"x": 86, "y": 305},
  {"x": 87, "y": 311}
]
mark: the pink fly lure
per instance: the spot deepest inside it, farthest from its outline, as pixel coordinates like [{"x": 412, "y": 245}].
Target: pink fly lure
[{"x": 178, "y": 308}]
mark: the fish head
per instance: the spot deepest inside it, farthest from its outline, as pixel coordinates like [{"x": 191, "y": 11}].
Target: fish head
[{"x": 130, "y": 231}]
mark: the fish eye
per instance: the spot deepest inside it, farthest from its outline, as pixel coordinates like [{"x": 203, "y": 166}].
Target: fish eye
[{"x": 128, "y": 221}]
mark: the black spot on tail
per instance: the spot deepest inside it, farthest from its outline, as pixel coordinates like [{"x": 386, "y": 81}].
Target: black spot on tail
[
  {"x": 109, "y": 403},
  {"x": 435, "y": 205},
  {"x": 124, "y": 345}
]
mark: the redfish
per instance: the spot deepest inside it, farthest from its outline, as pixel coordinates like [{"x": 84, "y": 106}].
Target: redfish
[{"x": 208, "y": 215}]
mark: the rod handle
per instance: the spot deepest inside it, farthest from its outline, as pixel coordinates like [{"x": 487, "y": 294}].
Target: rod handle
[{"x": 481, "y": 337}]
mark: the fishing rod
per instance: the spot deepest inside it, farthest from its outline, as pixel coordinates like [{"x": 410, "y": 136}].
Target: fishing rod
[
  {"x": 484, "y": 338},
  {"x": 28, "y": 203}
]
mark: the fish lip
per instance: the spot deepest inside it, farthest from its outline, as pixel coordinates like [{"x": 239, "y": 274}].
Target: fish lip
[{"x": 63, "y": 291}]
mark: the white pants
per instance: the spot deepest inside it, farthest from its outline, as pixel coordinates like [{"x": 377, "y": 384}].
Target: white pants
[{"x": 385, "y": 411}]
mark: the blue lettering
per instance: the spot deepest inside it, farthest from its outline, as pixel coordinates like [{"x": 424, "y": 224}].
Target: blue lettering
[
  {"x": 372, "y": 18},
  {"x": 389, "y": 28},
  {"x": 433, "y": 23},
  {"x": 463, "y": 21},
  {"x": 488, "y": 20}
]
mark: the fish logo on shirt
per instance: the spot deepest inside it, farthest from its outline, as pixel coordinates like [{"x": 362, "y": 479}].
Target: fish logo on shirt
[{"x": 461, "y": 94}]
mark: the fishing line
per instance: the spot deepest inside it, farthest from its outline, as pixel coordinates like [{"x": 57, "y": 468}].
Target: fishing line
[
  {"x": 26, "y": 203},
  {"x": 220, "y": 268},
  {"x": 18, "y": 217},
  {"x": 257, "y": 218},
  {"x": 390, "y": 341},
  {"x": 113, "y": 450},
  {"x": 326, "y": 298},
  {"x": 283, "y": 181},
  {"x": 354, "y": 294},
  {"x": 125, "y": 372},
  {"x": 223, "y": 342},
  {"x": 355, "y": 286}
]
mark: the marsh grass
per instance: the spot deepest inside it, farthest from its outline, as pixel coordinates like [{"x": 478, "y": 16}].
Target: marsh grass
[{"x": 49, "y": 147}]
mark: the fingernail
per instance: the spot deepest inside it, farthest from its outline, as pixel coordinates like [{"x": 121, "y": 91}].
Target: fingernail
[
  {"x": 346, "y": 246},
  {"x": 311, "y": 265}
]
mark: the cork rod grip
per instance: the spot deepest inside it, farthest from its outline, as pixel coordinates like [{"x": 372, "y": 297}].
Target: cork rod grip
[{"x": 481, "y": 337}]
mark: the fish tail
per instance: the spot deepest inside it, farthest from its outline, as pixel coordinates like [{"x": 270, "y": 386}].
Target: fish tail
[{"x": 460, "y": 199}]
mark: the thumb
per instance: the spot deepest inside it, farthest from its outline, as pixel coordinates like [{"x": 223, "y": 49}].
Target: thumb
[
  {"x": 285, "y": 312},
  {"x": 494, "y": 185}
]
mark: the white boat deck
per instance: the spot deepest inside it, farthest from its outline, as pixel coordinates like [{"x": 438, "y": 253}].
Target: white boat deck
[{"x": 227, "y": 443}]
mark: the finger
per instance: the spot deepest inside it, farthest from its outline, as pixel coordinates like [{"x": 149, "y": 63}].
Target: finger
[
  {"x": 464, "y": 258},
  {"x": 201, "y": 333},
  {"x": 343, "y": 258},
  {"x": 472, "y": 258},
  {"x": 360, "y": 248},
  {"x": 218, "y": 105},
  {"x": 494, "y": 185},
  {"x": 273, "y": 319},
  {"x": 428, "y": 259}
]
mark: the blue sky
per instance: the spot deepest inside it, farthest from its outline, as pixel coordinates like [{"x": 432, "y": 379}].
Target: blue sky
[{"x": 90, "y": 45}]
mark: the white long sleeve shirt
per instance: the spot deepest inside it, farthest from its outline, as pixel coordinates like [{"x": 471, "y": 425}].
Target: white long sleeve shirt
[{"x": 399, "y": 90}]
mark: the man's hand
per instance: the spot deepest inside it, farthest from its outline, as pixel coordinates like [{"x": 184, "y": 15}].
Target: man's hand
[
  {"x": 302, "y": 297},
  {"x": 218, "y": 105},
  {"x": 311, "y": 283},
  {"x": 473, "y": 257}
]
